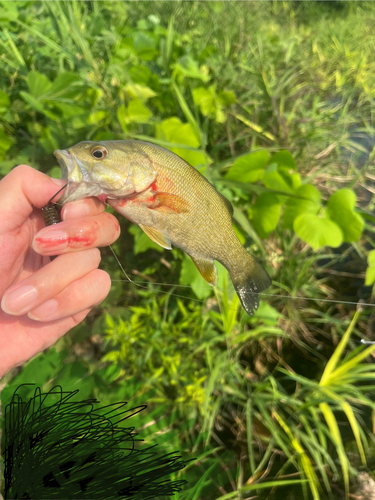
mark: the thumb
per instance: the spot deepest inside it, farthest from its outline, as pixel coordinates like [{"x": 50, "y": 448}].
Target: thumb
[{"x": 22, "y": 190}]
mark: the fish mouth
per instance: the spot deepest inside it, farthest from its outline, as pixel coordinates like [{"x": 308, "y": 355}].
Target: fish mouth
[
  {"x": 69, "y": 171},
  {"x": 73, "y": 171},
  {"x": 65, "y": 160}
]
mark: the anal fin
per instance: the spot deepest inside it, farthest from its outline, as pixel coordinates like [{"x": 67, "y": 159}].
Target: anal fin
[
  {"x": 156, "y": 236},
  {"x": 207, "y": 269}
]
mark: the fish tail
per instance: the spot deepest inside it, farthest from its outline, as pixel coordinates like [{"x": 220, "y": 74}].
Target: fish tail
[{"x": 249, "y": 279}]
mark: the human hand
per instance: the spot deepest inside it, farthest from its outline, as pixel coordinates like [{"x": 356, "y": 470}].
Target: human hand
[{"x": 41, "y": 299}]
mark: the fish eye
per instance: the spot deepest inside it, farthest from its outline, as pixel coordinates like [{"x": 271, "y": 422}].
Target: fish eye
[{"x": 99, "y": 152}]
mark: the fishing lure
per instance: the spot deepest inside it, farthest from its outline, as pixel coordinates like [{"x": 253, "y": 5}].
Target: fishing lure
[{"x": 51, "y": 212}]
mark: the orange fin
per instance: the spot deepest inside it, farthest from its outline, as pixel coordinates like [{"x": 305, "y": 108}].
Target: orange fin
[
  {"x": 156, "y": 236},
  {"x": 207, "y": 269},
  {"x": 170, "y": 203}
]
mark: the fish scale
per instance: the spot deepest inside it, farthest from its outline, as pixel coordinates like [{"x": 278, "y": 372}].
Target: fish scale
[{"x": 171, "y": 201}]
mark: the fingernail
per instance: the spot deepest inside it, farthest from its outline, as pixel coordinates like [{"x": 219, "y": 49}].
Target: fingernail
[
  {"x": 49, "y": 239},
  {"x": 75, "y": 210},
  {"x": 59, "y": 182},
  {"x": 19, "y": 300},
  {"x": 44, "y": 310}
]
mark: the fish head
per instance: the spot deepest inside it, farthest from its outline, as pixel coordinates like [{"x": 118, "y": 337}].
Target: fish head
[{"x": 106, "y": 169}]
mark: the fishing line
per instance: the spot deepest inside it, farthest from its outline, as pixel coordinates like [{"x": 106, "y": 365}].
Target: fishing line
[
  {"x": 261, "y": 294},
  {"x": 142, "y": 284}
]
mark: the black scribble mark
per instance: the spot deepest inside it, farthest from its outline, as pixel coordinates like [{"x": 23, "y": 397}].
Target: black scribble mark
[{"x": 68, "y": 449}]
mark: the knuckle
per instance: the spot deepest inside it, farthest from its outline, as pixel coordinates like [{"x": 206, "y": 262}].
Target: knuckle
[{"x": 21, "y": 170}]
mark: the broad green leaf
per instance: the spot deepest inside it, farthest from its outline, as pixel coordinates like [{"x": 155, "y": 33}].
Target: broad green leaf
[
  {"x": 251, "y": 188},
  {"x": 191, "y": 276},
  {"x": 370, "y": 271},
  {"x": 8, "y": 12},
  {"x": 136, "y": 91},
  {"x": 220, "y": 115},
  {"x": 65, "y": 84},
  {"x": 281, "y": 179},
  {"x": 38, "y": 106},
  {"x": 205, "y": 99},
  {"x": 5, "y": 143},
  {"x": 340, "y": 209},
  {"x": 186, "y": 66},
  {"x": 210, "y": 103},
  {"x": 145, "y": 46},
  {"x": 140, "y": 74},
  {"x": 283, "y": 159},
  {"x": 70, "y": 110},
  {"x": 97, "y": 116},
  {"x": 137, "y": 112},
  {"x": 265, "y": 214},
  {"x": 317, "y": 231},
  {"x": 295, "y": 207},
  {"x": 79, "y": 121},
  {"x": 174, "y": 131},
  {"x": 249, "y": 168},
  {"x": 38, "y": 84}
]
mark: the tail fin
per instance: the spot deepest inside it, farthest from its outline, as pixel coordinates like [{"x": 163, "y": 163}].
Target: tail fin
[{"x": 248, "y": 282}]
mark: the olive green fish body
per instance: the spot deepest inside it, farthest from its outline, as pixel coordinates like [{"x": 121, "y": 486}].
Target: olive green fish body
[{"x": 171, "y": 201}]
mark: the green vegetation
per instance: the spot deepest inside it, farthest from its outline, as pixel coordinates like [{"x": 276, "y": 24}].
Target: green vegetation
[{"x": 273, "y": 103}]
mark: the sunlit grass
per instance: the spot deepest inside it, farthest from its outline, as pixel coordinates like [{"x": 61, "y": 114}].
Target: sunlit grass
[{"x": 259, "y": 389}]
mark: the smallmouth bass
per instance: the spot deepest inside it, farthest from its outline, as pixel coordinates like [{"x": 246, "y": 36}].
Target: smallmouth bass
[{"x": 172, "y": 203}]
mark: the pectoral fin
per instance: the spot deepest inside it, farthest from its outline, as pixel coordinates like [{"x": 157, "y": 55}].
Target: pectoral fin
[
  {"x": 156, "y": 236},
  {"x": 207, "y": 269},
  {"x": 170, "y": 203}
]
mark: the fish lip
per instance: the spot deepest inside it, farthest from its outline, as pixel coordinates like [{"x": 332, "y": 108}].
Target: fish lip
[
  {"x": 70, "y": 166},
  {"x": 65, "y": 160}
]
